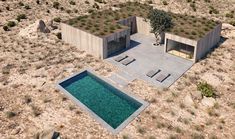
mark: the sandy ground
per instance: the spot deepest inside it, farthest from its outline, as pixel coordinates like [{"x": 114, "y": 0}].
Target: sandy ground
[{"x": 31, "y": 63}]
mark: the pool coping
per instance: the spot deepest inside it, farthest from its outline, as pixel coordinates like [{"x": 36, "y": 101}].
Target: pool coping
[{"x": 95, "y": 116}]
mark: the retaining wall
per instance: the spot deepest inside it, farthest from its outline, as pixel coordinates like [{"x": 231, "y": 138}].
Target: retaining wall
[{"x": 83, "y": 40}]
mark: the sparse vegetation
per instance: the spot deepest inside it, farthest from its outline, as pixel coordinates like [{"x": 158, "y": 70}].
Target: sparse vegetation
[
  {"x": 5, "y": 28},
  {"x": 206, "y": 89},
  {"x": 56, "y": 5},
  {"x": 10, "y": 114},
  {"x": 57, "y": 19},
  {"x": 21, "y": 16},
  {"x": 11, "y": 24}
]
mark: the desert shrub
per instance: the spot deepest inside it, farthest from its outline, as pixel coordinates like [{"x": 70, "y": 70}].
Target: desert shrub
[
  {"x": 90, "y": 11},
  {"x": 141, "y": 130},
  {"x": 100, "y": 1},
  {"x": 75, "y": 10},
  {"x": 21, "y": 16},
  {"x": 206, "y": 89},
  {"x": 197, "y": 136},
  {"x": 7, "y": 8},
  {"x": 10, "y": 114},
  {"x": 27, "y": 7},
  {"x": 189, "y": 0},
  {"x": 68, "y": 11},
  {"x": 5, "y": 28},
  {"x": 36, "y": 111},
  {"x": 193, "y": 6},
  {"x": 96, "y": 6},
  {"x": 208, "y": 1},
  {"x": 213, "y": 10},
  {"x": 150, "y": 2},
  {"x": 21, "y": 4},
  {"x": 125, "y": 137},
  {"x": 164, "y": 2},
  {"x": 56, "y": 5},
  {"x": 59, "y": 35},
  {"x": 57, "y": 19},
  {"x": 11, "y": 24},
  {"x": 194, "y": 33},
  {"x": 87, "y": 2},
  {"x": 232, "y": 23},
  {"x": 229, "y": 15},
  {"x": 72, "y": 3},
  {"x": 27, "y": 99}
]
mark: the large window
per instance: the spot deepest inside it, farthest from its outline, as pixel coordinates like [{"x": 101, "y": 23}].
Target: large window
[{"x": 180, "y": 49}]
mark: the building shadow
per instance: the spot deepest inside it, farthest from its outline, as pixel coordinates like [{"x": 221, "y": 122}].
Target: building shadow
[
  {"x": 222, "y": 40},
  {"x": 133, "y": 44}
]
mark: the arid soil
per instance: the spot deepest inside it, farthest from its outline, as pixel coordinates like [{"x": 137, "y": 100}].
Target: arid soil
[{"x": 32, "y": 62}]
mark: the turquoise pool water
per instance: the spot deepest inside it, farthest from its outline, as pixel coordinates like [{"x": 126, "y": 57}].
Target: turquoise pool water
[{"x": 109, "y": 103}]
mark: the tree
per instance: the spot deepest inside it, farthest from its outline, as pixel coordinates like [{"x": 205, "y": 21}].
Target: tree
[{"x": 160, "y": 21}]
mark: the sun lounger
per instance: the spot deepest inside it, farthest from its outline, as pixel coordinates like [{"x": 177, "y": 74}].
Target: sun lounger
[
  {"x": 161, "y": 77},
  {"x": 128, "y": 61},
  {"x": 152, "y": 73},
  {"x": 120, "y": 58}
]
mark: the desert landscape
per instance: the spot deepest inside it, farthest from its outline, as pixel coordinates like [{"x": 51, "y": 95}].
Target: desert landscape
[{"x": 33, "y": 61}]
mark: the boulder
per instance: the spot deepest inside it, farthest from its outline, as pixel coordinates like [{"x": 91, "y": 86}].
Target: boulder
[
  {"x": 188, "y": 101},
  {"x": 208, "y": 101},
  {"x": 47, "y": 134},
  {"x": 42, "y": 27}
]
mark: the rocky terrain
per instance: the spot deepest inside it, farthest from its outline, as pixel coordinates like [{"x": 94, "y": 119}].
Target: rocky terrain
[{"x": 31, "y": 62}]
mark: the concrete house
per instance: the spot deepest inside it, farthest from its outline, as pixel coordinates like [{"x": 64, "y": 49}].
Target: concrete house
[{"x": 115, "y": 32}]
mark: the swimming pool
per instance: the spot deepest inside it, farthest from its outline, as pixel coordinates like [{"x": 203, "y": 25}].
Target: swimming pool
[{"x": 109, "y": 105}]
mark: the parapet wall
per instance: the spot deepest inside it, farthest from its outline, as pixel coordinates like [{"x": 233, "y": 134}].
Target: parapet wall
[
  {"x": 143, "y": 26},
  {"x": 208, "y": 41},
  {"x": 83, "y": 40}
]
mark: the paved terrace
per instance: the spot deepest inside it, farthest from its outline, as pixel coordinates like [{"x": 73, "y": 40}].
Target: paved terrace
[{"x": 148, "y": 57}]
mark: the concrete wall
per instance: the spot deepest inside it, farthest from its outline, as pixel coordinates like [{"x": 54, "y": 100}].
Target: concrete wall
[
  {"x": 208, "y": 41},
  {"x": 202, "y": 46},
  {"x": 83, "y": 40},
  {"x": 115, "y": 36},
  {"x": 131, "y": 23},
  {"x": 144, "y": 26}
]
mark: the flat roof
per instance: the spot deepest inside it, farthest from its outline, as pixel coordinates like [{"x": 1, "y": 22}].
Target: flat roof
[{"x": 103, "y": 23}]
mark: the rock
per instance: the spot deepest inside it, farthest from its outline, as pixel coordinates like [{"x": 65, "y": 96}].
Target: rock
[
  {"x": 15, "y": 131},
  {"x": 42, "y": 27},
  {"x": 47, "y": 134},
  {"x": 188, "y": 101},
  {"x": 196, "y": 95},
  {"x": 208, "y": 101}
]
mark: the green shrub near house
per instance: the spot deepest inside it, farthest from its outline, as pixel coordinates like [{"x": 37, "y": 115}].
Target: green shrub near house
[{"x": 206, "y": 89}]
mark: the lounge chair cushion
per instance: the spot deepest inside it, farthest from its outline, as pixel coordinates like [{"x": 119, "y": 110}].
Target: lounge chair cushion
[
  {"x": 128, "y": 61},
  {"x": 120, "y": 58},
  {"x": 161, "y": 77},
  {"x": 152, "y": 73}
]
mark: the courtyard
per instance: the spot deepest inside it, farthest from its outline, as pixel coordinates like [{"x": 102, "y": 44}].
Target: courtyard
[{"x": 148, "y": 57}]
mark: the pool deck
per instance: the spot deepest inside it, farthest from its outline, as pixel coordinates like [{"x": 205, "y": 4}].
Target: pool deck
[{"x": 148, "y": 57}]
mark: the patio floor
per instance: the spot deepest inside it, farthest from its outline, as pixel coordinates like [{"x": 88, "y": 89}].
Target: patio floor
[{"x": 149, "y": 57}]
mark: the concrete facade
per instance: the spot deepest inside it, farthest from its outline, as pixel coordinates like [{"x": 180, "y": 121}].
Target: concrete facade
[
  {"x": 94, "y": 45},
  {"x": 98, "y": 46},
  {"x": 201, "y": 46}
]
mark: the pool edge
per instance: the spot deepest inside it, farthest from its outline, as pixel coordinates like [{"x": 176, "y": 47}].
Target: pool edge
[{"x": 95, "y": 116}]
